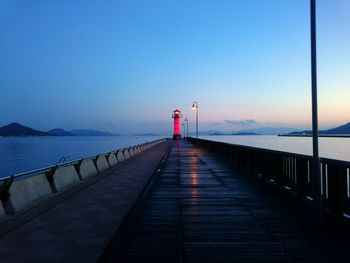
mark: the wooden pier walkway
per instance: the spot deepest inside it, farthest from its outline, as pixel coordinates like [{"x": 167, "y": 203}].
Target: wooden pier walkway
[{"x": 199, "y": 209}]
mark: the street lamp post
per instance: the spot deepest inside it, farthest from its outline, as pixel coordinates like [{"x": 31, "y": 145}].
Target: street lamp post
[
  {"x": 183, "y": 127},
  {"x": 195, "y": 107},
  {"x": 316, "y": 160},
  {"x": 186, "y": 120}
]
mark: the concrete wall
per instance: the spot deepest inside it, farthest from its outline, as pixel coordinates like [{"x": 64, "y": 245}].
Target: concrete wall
[
  {"x": 120, "y": 156},
  {"x": 102, "y": 163},
  {"x": 65, "y": 176},
  {"x": 112, "y": 159},
  {"x": 2, "y": 211},
  {"x": 131, "y": 151},
  {"x": 126, "y": 153},
  {"x": 25, "y": 191},
  {"x": 87, "y": 168},
  {"x": 136, "y": 150}
]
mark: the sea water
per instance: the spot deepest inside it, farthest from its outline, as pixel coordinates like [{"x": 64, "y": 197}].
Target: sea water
[
  {"x": 20, "y": 154},
  {"x": 334, "y": 148}
]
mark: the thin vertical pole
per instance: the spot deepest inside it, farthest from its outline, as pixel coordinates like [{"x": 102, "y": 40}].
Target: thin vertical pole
[
  {"x": 197, "y": 122},
  {"x": 316, "y": 160},
  {"x": 187, "y": 126},
  {"x": 195, "y": 107}
]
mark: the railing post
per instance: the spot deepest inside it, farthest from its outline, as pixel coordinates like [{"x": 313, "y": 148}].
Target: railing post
[
  {"x": 301, "y": 177},
  {"x": 336, "y": 189}
]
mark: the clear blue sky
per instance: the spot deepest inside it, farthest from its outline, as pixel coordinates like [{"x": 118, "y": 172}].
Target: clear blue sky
[{"x": 124, "y": 66}]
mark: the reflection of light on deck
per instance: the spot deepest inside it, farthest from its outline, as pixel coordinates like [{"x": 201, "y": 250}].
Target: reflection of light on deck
[
  {"x": 194, "y": 193},
  {"x": 194, "y": 174},
  {"x": 193, "y": 159},
  {"x": 193, "y": 169},
  {"x": 194, "y": 178}
]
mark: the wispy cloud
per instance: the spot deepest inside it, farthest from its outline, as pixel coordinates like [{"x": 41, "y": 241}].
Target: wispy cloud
[
  {"x": 246, "y": 122},
  {"x": 214, "y": 123}
]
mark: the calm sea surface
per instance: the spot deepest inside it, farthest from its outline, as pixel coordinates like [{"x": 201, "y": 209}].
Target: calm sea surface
[
  {"x": 28, "y": 153},
  {"x": 334, "y": 148}
]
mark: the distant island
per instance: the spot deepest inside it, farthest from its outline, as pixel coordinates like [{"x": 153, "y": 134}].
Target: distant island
[
  {"x": 146, "y": 134},
  {"x": 245, "y": 133},
  {"x": 86, "y": 132},
  {"x": 18, "y": 130},
  {"x": 340, "y": 131},
  {"x": 251, "y": 131},
  {"x": 60, "y": 132},
  {"x": 235, "y": 134}
]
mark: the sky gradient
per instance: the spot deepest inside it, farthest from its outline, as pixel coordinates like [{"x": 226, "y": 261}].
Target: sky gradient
[{"x": 124, "y": 66}]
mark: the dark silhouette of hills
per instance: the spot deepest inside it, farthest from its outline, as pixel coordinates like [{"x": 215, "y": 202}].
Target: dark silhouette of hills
[
  {"x": 235, "y": 133},
  {"x": 343, "y": 129},
  {"x": 87, "y": 132},
  {"x": 79, "y": 132},
  {"x": 252, "y": 131},
  {"x": 60, "y": 132},
  {"x": 340, "y": 130},
  {"x": 16, "y": 129},
  {"x": 146, "y": 134},
  {"x": 246, "y": 133},
  {"x": 268, "y": 130}
]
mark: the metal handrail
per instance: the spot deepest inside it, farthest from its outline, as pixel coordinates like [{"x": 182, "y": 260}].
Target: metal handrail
[{"x": 64, "y": 159}]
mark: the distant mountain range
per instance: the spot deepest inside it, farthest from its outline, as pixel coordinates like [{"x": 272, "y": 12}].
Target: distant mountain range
[
  {"x": 268, "y": 130},
  {"x": 16, "y": 129},
  {"x": 234, "y": 133},
  {"x": 86, "y": 132},
  {"x": 253, "y": 131},
  {"x": 60, "y": 132},
  {"x": 343, "y": 130},
  {"x": 340, "y": 130},
  {"x": 146, "y": 134}
]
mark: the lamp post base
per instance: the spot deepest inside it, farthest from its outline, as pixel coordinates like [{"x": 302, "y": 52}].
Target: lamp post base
[{"x": 176, "y": 136}]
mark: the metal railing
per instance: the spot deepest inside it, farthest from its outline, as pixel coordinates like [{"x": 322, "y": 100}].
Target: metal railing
[{"x": 291, "y": 171}]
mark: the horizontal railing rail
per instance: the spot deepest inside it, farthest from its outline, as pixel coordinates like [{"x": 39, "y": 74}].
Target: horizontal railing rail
[{"x": 291, "y": 171}]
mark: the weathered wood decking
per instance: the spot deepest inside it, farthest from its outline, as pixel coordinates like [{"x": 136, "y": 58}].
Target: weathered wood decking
[{"x": 199, "y": 209}]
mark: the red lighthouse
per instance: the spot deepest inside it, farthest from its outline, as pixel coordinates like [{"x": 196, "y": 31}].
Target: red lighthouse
[{"x": 177, "y": 127}]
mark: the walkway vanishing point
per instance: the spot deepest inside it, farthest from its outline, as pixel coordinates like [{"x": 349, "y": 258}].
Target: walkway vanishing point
[{"x": 173, "y": 203}]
